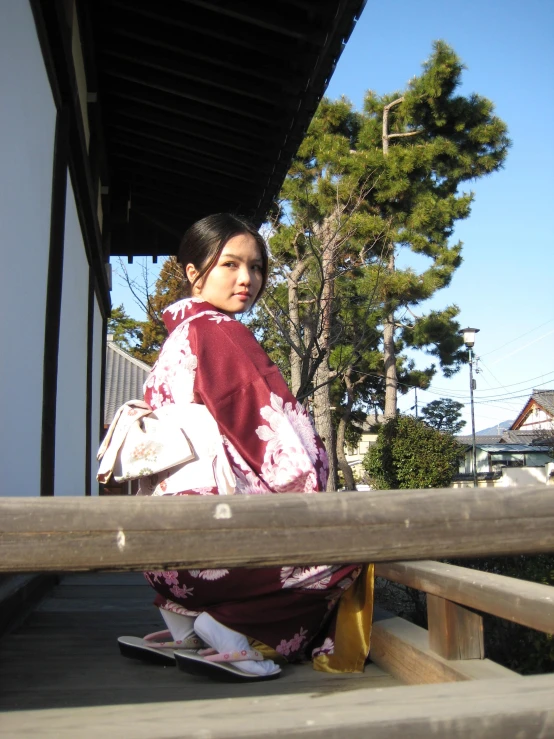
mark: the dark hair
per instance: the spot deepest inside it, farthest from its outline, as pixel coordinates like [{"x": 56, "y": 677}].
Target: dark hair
[{"x": 204, "y": 241}]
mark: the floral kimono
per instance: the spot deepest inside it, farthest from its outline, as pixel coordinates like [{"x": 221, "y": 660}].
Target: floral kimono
[{"x": 271, "y": 447}]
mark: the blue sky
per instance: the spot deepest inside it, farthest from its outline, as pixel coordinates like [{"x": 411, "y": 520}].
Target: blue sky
[{"x": 505, "y": 286}]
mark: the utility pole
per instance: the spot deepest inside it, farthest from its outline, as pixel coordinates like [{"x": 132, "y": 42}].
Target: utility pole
[{"x": 469, "y": 341}]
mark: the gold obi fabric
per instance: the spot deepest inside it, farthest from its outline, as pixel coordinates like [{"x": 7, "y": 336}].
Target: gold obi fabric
[{"x": 353, "y": 627}]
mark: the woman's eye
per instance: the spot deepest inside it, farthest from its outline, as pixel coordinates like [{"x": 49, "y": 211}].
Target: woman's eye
[{"x": 228, "y": 264}]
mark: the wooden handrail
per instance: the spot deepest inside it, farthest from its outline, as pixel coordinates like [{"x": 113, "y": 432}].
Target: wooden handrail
[
  {"x": 526, "y": 603},
  {"x": 484, "y": 709},
  {"x": 76, "y": 534}
]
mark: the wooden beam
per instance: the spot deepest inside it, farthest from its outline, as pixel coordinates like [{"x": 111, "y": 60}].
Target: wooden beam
[
  {"x": 402, "y": 649},
  {"x": 192, "y": 110},
  {"x": 188, "y": 89},
  {"x": 526, "y": 603},
  {"x": 53, "y": 308},
  {"x": 241, "y": 84},
  {"x": 265, "y": 530},
  {"x": 188, "y": 155},
  {"x": 454, "y": 631},
  {"x": 196, "y": 53},
  {"x": 203, "y": 147},
  {"x": 90, "y": 438},
  {"x": 176, "y": 186},
  {"x": 264, "y": 16},
  {"x": 146, "y": 161},
  {"x": 128, "y": 114},
  {"x": 171, "y": 197},
  {"x": 222, "y": 30},
  {"x": 489, "y": 709}
]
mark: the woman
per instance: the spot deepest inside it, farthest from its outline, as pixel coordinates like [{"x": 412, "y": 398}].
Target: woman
[{"x": 211, "y": 359}]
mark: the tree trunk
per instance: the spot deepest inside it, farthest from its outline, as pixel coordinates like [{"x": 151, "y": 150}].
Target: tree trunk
[
  {"x": 389, "y": 350},
  {"x": 345, "y": 468},
  {"x": 391, "y": 381},
  {"x": 295, "y": 329},
  {"x": 323, "y": 421},
  {"x": 322, "y": 401},
  {"x": 341, "y": 433}
]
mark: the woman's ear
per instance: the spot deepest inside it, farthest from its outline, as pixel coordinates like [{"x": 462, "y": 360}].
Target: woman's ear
[{"x": 191, "y": 273}]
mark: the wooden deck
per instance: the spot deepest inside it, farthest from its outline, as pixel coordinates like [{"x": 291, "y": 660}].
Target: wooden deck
[{"x": 66, "y": 656}]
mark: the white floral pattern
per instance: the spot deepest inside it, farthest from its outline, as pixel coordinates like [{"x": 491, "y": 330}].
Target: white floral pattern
[
  {"x": 291, "y": 450},
  {"x": 209, "y": 574},
  {"x": 312, "y": 578},
  {"x": 328, "y": 647}
]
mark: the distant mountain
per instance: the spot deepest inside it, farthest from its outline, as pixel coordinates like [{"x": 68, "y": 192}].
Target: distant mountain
[{"x": 495, "y": 430}]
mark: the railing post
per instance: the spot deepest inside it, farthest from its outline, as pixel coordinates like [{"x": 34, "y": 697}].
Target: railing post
[{"x": 454, "y": 631}]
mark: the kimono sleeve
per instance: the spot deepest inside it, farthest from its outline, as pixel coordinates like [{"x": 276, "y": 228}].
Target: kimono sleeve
[{"x": 268, "y": 429}]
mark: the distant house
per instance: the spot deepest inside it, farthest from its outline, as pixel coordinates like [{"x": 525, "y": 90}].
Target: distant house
[
  {"x": 521, "y": 455},
  {"x": 355, "y": 455},
  {"x": 492, "y": 458},
  {"x": 125, "y": 377},
  {"x": 537, "y": 414}
]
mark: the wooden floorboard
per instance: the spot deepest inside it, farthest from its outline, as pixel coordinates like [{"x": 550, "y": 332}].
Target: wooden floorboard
[{"x": 65, "y": 655}]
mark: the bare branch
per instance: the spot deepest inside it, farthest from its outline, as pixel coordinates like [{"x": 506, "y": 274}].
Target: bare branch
[{"x": 408, "y": 133}]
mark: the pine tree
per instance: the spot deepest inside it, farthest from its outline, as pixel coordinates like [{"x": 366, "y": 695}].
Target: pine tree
[
  {"x": 126, "y": 331},
  {"x": 444, "y": 415},
  {"x": 427, "y": 142},
  {"x": 362, "y": 187}
]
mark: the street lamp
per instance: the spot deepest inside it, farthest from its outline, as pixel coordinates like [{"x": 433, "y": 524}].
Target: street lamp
[{"x": 469, "y": 340}]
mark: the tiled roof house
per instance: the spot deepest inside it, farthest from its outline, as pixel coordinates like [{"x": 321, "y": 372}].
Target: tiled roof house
[
  {"x": 537, "y": 414},
  {"x": 125, "y": 377}
]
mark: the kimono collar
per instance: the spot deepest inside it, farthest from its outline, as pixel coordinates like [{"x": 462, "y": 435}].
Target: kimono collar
[{"x": 175, "y": 314}]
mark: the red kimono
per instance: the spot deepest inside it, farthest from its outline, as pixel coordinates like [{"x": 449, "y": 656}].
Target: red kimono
[{"x": 211, "y": 359}]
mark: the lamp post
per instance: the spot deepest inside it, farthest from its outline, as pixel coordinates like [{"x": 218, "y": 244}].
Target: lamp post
[{"x": 469, "y": 340}]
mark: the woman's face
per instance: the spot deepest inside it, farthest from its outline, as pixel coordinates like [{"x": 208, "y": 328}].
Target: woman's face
[{"x": 235, "y": 280}]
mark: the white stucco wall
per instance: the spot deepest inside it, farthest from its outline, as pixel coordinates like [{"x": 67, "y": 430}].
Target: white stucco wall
[
  {"x": 96, "y": 378},
  {"x": 72, "y": 363},
  {"x": 466, "y": 465},
  {"x": 538, "y": 420},
  {"x": 520, "y": 476},
  {"x": 27, "y": 125}
]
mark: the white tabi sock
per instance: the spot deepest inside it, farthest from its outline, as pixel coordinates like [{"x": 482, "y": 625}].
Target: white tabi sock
[
  {"x": 179, "y": 625},
  {"x": 226, "y": 640}
]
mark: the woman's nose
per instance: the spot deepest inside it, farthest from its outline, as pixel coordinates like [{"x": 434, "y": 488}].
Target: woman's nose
[{"x": 245, "y": 277}]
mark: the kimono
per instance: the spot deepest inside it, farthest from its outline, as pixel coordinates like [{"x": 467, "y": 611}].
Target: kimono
[{"x": 271, "y": 447}]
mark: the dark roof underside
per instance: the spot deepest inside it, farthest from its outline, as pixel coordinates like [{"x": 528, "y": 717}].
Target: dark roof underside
[{"x": 204, "y": 103}]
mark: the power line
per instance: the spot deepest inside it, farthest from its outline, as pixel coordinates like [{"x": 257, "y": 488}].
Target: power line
[
  {"x": 522, "y": 382},
  {"x": 463, "y": 397},
  {"x": 517, "y": 338},
  {"x": 524, "y": 346}
]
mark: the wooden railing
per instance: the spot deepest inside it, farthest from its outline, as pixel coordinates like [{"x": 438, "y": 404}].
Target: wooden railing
[
  {"x": 453, "y": 647},
  {"x": 78, "y": 534},
  {"x": 71, "y": 534}
]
